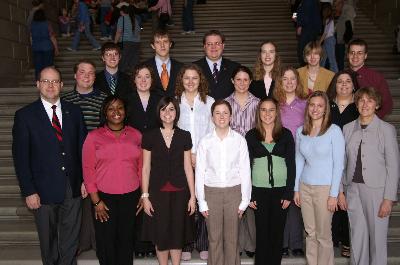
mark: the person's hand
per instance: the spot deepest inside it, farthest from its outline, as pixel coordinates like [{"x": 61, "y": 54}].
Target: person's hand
[
  {"x": 139, "y": 206},
  {"x": 240, "y": 213},
  {"x": 253, "y": 205},
  {"x": 84, "y": 193},
  {"x": 385, "y": 209},
  {"x": 193, "y": 160},
  {"x": 33, "y": 201},
  {"x": 56, "y": 52},
  {"x": 332, "y": 204},
  {"x": 298, "y": 31},
  {"x": 81, "y": 27},
  {"x": 192, "y": 206},
  {"x": 296, "y": 198},
  {"x": 342, "y": 201},
  {"x": 285, "y": 204},
  {"x": 205, "y": 214},
  {"x": 101, "y": 212},
  {"x": 148, "y": 207}
]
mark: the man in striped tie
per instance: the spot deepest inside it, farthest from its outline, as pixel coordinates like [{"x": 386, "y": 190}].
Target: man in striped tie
[{"x": 48, "y": 135}]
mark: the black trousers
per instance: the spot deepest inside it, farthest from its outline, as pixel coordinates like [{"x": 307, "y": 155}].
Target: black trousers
[
  {"x": 340, "y": 228},
  {"x": 201, "y": 243},
  {"x": 58, "y": 228},
  {"x": 270, "y": 223},
  {"x": 115, "y": 238}
]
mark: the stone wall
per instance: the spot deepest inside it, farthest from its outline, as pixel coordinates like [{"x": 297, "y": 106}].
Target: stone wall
[{"x": 15, "y": 55}]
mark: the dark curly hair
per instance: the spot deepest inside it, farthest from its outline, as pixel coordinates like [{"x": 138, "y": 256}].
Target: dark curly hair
[{"x": 203, "y": 86}]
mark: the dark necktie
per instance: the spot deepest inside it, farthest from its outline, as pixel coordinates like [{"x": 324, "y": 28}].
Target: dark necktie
[
  {"x": 55, "y": 122},
  {"x": 215, "y": 73},
  {"x": 113, "y": 84}
]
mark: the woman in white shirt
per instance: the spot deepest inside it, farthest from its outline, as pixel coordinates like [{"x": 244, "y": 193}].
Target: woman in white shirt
[
  {"x": 223, "y": 185},
  {"x": 191, "y": 90}
]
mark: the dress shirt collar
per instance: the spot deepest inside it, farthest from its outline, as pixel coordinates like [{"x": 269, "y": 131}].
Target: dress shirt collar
[
  {"x": 250, "y": 99},
  {"x": 159, "y": 63},
  {"x": 184, "y": 100},
  {"x": 229, "y": 135},
  {"x": 47, "y": 105},
  {"x": 211, "y": 64},
  {"x": 294, "y": 102}
]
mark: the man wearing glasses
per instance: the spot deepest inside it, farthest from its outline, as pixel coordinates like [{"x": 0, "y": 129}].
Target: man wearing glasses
[
  {"x": 48, "y": 135},
  {"x": 217, "y": 69},
  {"x": 357, "y": 54},
  {"x": 111, "y": 80}
]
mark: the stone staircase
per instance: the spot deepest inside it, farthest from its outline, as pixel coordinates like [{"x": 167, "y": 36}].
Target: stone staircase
[{"x": 246, "y": 24}]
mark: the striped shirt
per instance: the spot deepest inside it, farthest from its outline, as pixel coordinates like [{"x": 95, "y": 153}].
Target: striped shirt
[
  {"x": 243, "y": 119},
  {"x": 90, "y": 105}
]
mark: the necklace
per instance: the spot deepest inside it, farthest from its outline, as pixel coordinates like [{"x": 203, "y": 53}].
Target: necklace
[
  {"x": 118, "y": 130},
  {"x": 167, "y": 136}
]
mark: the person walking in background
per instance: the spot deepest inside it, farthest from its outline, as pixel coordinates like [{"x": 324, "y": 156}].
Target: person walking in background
[
  {"x": 272, "y": 158},
  {"x": 164, "y": 12},
  {"x": 64, "y": 23},
  {"x": 128, "y": 38},
  {"x": 44, "y": 42},
  {"x": 290, "y": 95},
  {"x": 187, "y": 17},
  {"x": 113, "y": 182},
  {"x": 168, "y": 185},
  {"x": 223, "y": 185},
  {"x": 314, "y": 77},
  {"x": 343, "y": 110},
  {"x": 266, "y": 70},
  {"x": 319, "y": 168},
  {"x": 48, "y": 135},
  {"x": 195, "y": 117},
  {"x": 83, "y": 25},
  {"x": 370, "y": 180},
  {"x": 344, "y": 30},
  {"x": 105, "y": 8},
  {"x": 328, "y": 40}
]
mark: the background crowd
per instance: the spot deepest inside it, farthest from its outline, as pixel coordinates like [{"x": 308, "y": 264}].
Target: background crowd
[{"x": 209, "y": 155}]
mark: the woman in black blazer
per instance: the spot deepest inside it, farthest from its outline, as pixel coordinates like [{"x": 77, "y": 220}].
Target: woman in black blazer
[
  {"x": 266, "y": 71},
  {"x": 272, "y": 158},
  {"x": 143, "y": 99}
]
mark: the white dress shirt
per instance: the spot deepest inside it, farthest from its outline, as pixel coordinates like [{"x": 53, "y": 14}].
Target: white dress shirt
[
  {"x": 197, "y": 120},
  {"x": 223, "y": 163},
  {"x": 47, "y": 106},
  {"x": 211, "y": 64},
  {"x": 159, "y": 63}
]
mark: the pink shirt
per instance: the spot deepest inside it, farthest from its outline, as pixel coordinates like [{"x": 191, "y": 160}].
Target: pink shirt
[
  {"x": 293, "y": 115},
  {"x": 112, "y": 164}
]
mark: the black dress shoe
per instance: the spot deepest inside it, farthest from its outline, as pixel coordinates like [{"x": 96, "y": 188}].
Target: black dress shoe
[
  {"x": 139, "y": 255},
  {"x": 298, "y": 252},
  {"x": 150, "y": 254},
  {"x": 285, "y": 252},
  {"x": 250, "y": 254}
]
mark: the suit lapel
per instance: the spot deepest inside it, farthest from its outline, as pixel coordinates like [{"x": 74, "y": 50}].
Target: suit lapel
[{"x": 158, "y": 79}]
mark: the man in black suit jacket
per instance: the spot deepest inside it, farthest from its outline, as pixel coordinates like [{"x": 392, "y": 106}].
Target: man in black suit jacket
[
  {"x": 48, "y": 166},
  {"x": 217, "y": 69},
  {"x": 161, "y": 44},
  {"x": 111, "y": 80}
]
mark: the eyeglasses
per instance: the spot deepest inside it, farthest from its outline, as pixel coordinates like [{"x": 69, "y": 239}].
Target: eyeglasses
[
  {"x": 48, "y": 82},
  {"x": 210, "y": 44},
  {"x": 115, "y": 54}
]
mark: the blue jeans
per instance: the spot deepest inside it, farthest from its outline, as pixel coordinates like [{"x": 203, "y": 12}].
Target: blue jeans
[
  {"x": 329, "y": 48},
  {"x": 104, "y": 28},
  {"x": 187, "y": 16},
  {"x": 42, "y": 59},
  {"x": 89, "y": 36}
]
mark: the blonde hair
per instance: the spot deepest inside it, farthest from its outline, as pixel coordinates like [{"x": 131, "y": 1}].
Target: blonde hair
[
  {"x": 279, "y": 92},
  {"x": 259, "y": 71},
  {"x": 326, "y": 122}
]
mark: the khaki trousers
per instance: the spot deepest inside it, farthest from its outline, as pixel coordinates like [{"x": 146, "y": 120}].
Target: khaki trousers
[
  {"x": 223, "y": 225},
  {"x": 317, "y": 223}
]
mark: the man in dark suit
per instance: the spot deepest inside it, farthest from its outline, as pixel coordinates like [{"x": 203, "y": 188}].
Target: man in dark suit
[
  {"x": 217, "y": 69},
  {"x": 111, "y": 80},
  {"x": 48, "y": 135},
  {"x": 165, "y": 68}
]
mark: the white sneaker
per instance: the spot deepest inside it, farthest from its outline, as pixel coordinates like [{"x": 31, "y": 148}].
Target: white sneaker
[
  {"x": 104, "y": 38},
  {"x": 186, "y": 256}
]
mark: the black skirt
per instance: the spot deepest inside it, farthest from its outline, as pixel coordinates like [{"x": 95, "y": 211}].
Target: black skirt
[{"x": 171, "y": 226}]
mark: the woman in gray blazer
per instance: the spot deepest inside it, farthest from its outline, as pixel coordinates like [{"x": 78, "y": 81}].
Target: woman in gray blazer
[{"x": 370, "y": 179}]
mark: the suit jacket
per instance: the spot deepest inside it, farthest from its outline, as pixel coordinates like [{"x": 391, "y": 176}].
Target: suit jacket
[
  {"x": 322, "y": 81},
  {"x": 379, "y": 155},
  {"x": 257, "y": 88},
  {"x": 175, "y": 67},
  {"x": 137, "y": 116},
  {"x": 124, "y": 84},
  {"x": 41, "y": 163},
  {"x": 224, "y": 87}
]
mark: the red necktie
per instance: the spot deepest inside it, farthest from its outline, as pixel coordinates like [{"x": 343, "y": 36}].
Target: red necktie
[{"x": 55, "y": 122}]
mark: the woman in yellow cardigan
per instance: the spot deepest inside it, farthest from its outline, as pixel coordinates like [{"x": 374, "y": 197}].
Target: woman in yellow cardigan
[{"x": 314, "y": 77}]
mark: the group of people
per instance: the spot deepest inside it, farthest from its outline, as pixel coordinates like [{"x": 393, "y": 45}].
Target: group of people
[{"x": 202, "y": 156}]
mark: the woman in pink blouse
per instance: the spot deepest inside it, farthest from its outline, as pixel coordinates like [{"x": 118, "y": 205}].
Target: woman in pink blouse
[{"x": 112, "y": 169}]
